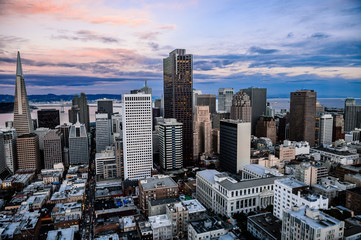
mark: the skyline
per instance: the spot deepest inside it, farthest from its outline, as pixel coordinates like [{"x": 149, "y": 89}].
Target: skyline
[{"x": 106, "y": 47}]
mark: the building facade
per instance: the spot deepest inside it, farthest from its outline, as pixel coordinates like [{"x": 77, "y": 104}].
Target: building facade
[
  {"x": 235, "y": 145},
  {"x": 78, "y": 144},
  {"x": 170, "y": 144},
  {"x": 202, "y": 132},
  {"x": 103, "y": 131},
  {"x": 207, "y": 100},
  {"x": 48, "y": 118},
  {"x": 352, "y": 115},
  {"x": 137, "y": 136},
  {"x": 178, "y": 88},
  {"x": 225, "y": 97},
  {"x": 266, "y": 127},
  {"x": 107, "y": 166},
  {"x": 303, "y": 116},
  {"x": 241, "y": 107},
  {"x": 326, "y": 125},
  {"x": 80, "y": 109},
  {"x": 28, "y": 153},
  {"x": 105, "y": 106},
  {"x": 22, "y": 118},
  {"x": 53, "y": 148},
  {"x": 10, "y": 149},
  {"x": 258, "y": 97}
]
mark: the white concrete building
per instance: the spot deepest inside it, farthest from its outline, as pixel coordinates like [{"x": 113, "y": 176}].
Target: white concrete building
[
  {"x": 326, "y": 124},
  {"x": 161, "y": 226},
  {"x": 288, "y": 193},
  {"x": 106, "y": 164},
  {"x": 225, "y": 195},
  {"x": 103, "y": 131},
  {"x": 137, "y": 136},
  {"x": 210, "y": 228},
  {"x": 306, "y": 223},
  {"x": 336, "y": 155}
]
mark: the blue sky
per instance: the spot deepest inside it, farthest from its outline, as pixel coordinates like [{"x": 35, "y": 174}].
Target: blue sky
[{"x": 113, "y": 46}]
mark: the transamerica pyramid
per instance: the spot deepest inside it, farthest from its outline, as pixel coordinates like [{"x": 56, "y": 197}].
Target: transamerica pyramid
[{"x": 22, "y": 119}]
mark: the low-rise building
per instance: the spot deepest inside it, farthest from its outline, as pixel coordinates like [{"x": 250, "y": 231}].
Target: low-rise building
[
  {"x": 353, "y": 200},
  {"x": 159, "y": 207},
  {"x": 161, "y": 227},
  {"x": 310, "y": 174},
  {"x": 336, "y": 155},
  {"x": 264, "y": 226},
  {"x": 61, "y": 234},
  {"x": 145, "y": 231},
  {"x": 254, "y": 171},
  {"x": 353, "y": 178},
  {"x": 226, "y": 195},
  {"x": 66, "y": 209},
  {"x": 128, "y": 224},
  {"x": 307, "y": 223},
  {"x": 208, "y": 228}
]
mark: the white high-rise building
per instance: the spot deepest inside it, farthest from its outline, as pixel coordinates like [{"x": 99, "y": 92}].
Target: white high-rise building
[
  {"x": 103, "y": 131},
  {"x": 10, "y": 148},
  {"x": 326, "y": 125},
  {"x": 78, "y": 144},
  {"x": 137, "y": 136}
]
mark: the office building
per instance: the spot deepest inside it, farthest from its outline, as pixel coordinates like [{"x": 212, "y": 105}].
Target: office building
[
  {"x": 307, "y": 223},
  {"x": 48, "y": 118},
  {"x": 137, "y": 136},
  {"x": 303, "y": 116},
  {"x": 155, "y": 188},
  {"x": 105, "y": 106},
  {"x": 2, "y": 153},
  {"x": 53, "y": 148},
  {"x": 226, "y": 195},
  {"x": 352, "y": 115},
  {"x": 146, "y": 89},
  {"x": 103, "y": 131},
  {"x": 41, "y": 132},
  {"x": 119, "y": 158},
  {"x": 64, "y": 129},
  {"x": 107, "y": 165},
  {"x": 28, "y": 153},
  {"x": 225, "y": 97},
  {"x": 207, "y": 100},
  {"x": 326, "y": 125},
  {"x": 195, "y": 94},
  {"x": 202, "y": 138},
  {"x": 241, "y": 107},
  {"x": 266, "y": 127},
  {"x": 78, "y": 144},
  {"x": 291, "y": 192},
  {"x": 10, "y": 149},
  {"x": 178, "y": 87},
  {"x": 258, "y": 97},
  {"x": 80, "y": 109},
  {"x": 170, "y": 144},
  {"x": 22, "y": 118},
  {"x": 235, "y": 145},
  {"x": 338, "y": 127},
  {"x": 310, "y": 174}
]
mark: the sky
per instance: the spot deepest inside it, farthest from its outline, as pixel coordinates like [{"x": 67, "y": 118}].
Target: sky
[{"x": 112, "y": 47}]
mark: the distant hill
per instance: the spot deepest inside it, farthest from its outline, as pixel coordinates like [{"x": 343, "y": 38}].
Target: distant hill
[{"x": 58, "y": 98}]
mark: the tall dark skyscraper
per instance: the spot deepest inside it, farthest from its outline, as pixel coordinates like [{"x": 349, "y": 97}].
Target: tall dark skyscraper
[
  {"x": 178, "y": 88},
  {"x": 258, "y": 97},
  {"x": 22, "y": 119},
  {"x": 105, "y": 106},
  {"x": 207, "y": 100},
  {"x": 48, "y": 118},
  {"x": 303, "y": 116},
  {"x": 352, "y": 115},
  {"x": 80, "y": 107}
]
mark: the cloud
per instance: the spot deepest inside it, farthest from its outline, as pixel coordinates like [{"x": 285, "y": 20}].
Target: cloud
[
  {"x": 259, "y": 50},
  {"x": 167, "y": 27},
  {"x": 320, "y": 35},
  {"x": 148, "y": 35},
  {"x": 290, "y": 35},
  {"x": 85, "y": 36}
]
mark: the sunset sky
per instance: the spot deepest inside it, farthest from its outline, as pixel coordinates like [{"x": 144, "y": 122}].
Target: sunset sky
[{"x": 100, "y": 46}]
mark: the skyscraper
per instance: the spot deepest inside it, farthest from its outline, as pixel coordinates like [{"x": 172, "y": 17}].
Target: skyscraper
[
  {"x": 207, "y": 100},
  {"x": 103, "y": 131},
  {"x": 266, "y": 127},
  {"x": 235, "y": 145},
  {"x": 10, "y": 148},
  {"x": 178, "y": 87},
  {"x": 241, "y": 107},
  {"x": 137, "y": 135},
  {"x": 27, "y": 148},
  {"x": 326, "y": 125},
  {"x": 170, "y": 144},
  {"x": 48, "y": 118},
  {"x": 22, "y": 119},
  {"x": 105, "y": 106},
  {"x": 78, "y": 144},
  {"x": 338, "y": 127},
  {"x": 2, "y": 153},
  {"x": 258, "y": 97},
  {"x": 352, "y": 115},
  {"x": 303, "y": 116},
  {"x": 202, "y": 131},
  {"x": 53, "y": 148},
  {"x": 225, "y": 96},
  {"x": 80, "y": 108}
]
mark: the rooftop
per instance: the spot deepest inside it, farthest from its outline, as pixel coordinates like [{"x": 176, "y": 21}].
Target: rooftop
[
  {"x": 193, "y": 206},
  {"x": 61, "y": 234},
  {"x": 208, "y": 224},
  {"x": 159, "y": 221},
  {"x": 113, "y": 236},
  {"x": 268, "y": 223},
  {"x": 163, "y": 201},
  {"x": 157, "y": 181},
  {"x": 292, "y": 182}
]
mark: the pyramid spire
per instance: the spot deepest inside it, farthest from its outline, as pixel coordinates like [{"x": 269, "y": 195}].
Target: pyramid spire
[{"x": 19, "y": 69}]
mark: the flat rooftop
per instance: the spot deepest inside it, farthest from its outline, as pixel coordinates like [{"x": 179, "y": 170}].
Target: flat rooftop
[
  {"x": 158, "y": 181},
  {"x": 208, "y": 224},
  {"x": 292, "y": 182},
  {"x": 268, "y": 223}
]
